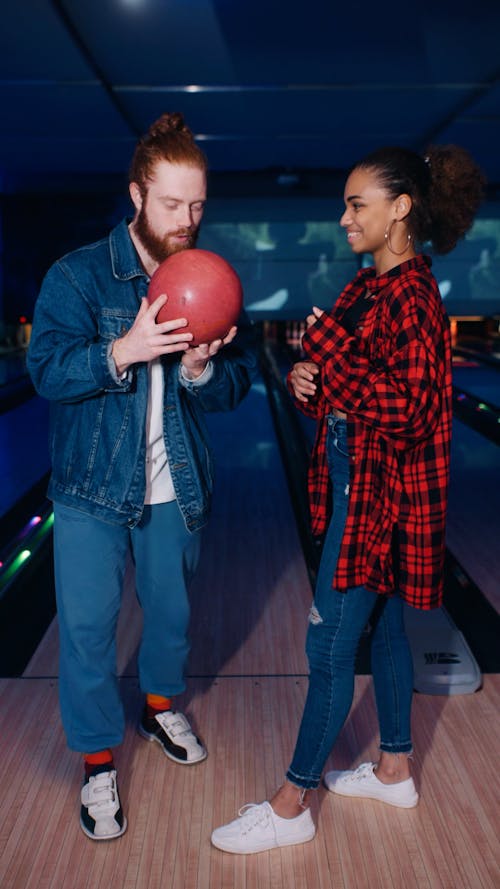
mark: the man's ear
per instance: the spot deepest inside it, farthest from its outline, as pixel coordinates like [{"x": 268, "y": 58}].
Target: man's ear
[{"x": 135, "y": 195}]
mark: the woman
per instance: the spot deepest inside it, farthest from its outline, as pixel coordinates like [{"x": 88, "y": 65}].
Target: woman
[{"x": 377, "y": 377}]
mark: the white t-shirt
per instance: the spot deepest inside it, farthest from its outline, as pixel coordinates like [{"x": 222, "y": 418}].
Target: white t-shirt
[{"x": 159, "y": 485}]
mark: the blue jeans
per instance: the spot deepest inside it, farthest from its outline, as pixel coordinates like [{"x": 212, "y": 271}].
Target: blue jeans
[
  {"x": 90, "y": 558},
  {"x": 336, "y": 623}
]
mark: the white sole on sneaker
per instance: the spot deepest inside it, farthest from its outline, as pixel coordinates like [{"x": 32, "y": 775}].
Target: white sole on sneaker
[{"x": 264, "y": 848}]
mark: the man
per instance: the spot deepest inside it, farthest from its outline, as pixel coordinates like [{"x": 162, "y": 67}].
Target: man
[{"x": 131, "y": 467}]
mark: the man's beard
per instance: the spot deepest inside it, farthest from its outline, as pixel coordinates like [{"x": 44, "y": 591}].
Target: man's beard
[{"x": 160, "y": 247}]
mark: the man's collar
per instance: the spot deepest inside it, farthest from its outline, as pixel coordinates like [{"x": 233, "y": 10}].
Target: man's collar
[{"x": 125, "y": 260}]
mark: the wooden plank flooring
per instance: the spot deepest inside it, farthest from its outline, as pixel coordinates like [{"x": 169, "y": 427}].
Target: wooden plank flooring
[
  {"x": 246, "y": 687},
  {"x": 449, "y": 840}
]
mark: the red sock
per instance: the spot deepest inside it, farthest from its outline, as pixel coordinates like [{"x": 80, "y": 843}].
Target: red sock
[
  {"x": 157, "y": 704},
  {"x": 102, "y": 757}
]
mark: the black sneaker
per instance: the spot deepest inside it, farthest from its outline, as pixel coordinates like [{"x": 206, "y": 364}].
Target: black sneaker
[
  {"x": 101, "y": 816},
  {"x": 172, "y": 730}
]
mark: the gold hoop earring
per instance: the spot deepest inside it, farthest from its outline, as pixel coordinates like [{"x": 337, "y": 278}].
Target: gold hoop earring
[{"x": 387, "y": 236}]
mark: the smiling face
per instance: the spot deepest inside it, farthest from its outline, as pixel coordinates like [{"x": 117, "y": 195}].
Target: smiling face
[
  {"x": 369, "y": 215},
  {"x": 168, "y": 214}
]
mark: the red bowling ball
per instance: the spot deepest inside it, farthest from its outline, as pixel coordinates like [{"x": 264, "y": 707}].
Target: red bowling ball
[{"x": 201, "y": 287}]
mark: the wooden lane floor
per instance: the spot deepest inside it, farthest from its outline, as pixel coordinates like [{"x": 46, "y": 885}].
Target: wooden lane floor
[
  {"x": 247, "y": 681},
  {"x": 449, "y": 840}
]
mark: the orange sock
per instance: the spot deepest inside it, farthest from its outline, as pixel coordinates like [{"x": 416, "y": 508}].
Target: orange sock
[
  {"x": 102, "y": 757},
  {"x": 157, "y": 703}
]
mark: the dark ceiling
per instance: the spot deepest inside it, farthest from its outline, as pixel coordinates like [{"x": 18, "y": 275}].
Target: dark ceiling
[{"x": 265, "y": 85}]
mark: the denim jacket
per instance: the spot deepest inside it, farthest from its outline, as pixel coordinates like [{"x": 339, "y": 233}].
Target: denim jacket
[{"x": 88, "y": 299}]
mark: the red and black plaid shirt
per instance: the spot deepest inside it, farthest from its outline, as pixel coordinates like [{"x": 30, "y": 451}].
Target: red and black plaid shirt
[{"x": 393, "y": 380}]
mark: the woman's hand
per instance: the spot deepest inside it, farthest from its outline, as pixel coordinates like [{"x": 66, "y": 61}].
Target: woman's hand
[
  {"x": 316, "y": 313},
  {"x": 303, "y": 373},
  {"x": 302, "y": 378}
]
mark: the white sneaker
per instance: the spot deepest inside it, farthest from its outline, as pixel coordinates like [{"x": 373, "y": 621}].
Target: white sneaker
[
  {"x": 363, "y": 782},
  {"x": 101, "y": 816},
  {"x": 259, "y": 828}
]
